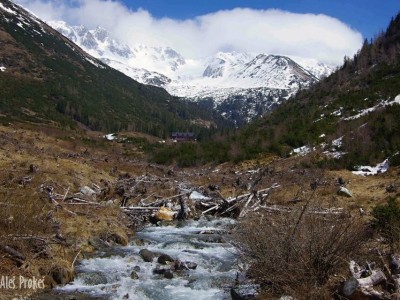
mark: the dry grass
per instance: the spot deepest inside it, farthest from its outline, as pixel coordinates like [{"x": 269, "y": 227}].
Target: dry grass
[
  {"x": 296, "y": 254},
  {"x": 70, "y": 160},
  {"x": 34, "y": 156}
]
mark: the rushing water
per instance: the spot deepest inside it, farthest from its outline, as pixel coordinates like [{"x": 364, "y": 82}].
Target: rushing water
[{"x": 201, "y": 242}]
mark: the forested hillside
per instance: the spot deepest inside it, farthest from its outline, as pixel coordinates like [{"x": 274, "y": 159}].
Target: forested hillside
[{"x": 45, "y": 78}]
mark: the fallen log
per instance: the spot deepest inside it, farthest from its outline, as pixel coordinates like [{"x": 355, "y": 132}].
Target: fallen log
[
  {"x": 256, "y": 193},
  {"x": 364, "y": 279},
  {"x": 15, "y": 255},
  {"x": 244, "y": 209},
  {"x": 375, "y": 278},
  {"x": 367, "y": 278},
  {"x": 164, "y": 200},
  {"x": 82, "y": 201},
  {"x": 28, "y": 237}
]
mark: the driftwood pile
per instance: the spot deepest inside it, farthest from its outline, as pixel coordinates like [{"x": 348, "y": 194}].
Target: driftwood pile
[
  {"x": 371, "y": 282},
  {"x": 188, "y": 202}
]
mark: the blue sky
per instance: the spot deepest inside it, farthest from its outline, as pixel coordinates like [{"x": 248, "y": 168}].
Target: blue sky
[
  {"x": 326, "y": 30},
  {"x": 367, "y": 16}
]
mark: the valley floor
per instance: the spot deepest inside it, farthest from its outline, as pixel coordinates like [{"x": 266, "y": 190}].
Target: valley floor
[{"x": 45, "y": 231}]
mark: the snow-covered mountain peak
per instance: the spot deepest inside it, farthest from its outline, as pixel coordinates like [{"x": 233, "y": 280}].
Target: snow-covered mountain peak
[
  {"x": 223, "y": 63},
  {"x": 101, "y": 34},
  {"x": 223, "y": 77}
]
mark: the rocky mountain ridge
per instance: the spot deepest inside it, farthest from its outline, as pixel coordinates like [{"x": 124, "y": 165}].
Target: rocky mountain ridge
[{"x": 227, "y": 79}]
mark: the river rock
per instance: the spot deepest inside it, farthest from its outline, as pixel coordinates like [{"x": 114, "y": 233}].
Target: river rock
[
  {"x": 188, "y": 265},
  {"x": 136, "y": 268},
  {"x": 159, "y": 271},
  {"x": 349, "y": 287},
  {"x": 164, "y": 259},
  {"x": 134, "y": 275},
  {"x": 395, "y": 264},
  {"x": 93, "y": 278},
  {"x": 191, "y": 265},
  {"x": 392, "y": 188},
  {"x": 117, "y": 238},
  {"x": 62, "y": 275},
  {"x": 168, "y": 274},
  {"x": 245, "y": 292},
  {"x": 165, "y": 214},
  {"x": 87, "y": 191},
  {"x": 344, "y": 192},
  {"x": 147, "y": 255},
  {"x": 97, "y": 243}
]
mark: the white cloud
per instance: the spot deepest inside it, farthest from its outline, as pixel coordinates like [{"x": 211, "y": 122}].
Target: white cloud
[{"x": 241, "y": 29}]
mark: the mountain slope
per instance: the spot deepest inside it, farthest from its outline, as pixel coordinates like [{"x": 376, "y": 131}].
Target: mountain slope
[
  {"x": 46, "y": 78},
  {"x": 348, "y": 119},
  {"x": 354, "y": 111},
  {"x": 238, "y": 86}
]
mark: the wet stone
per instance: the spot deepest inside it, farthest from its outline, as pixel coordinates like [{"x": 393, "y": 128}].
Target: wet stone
[
  {"x": 93, "y": 278},
  {"x": 136, "y": 268},
  {"x": 168, "y": 274},
  {"x": 164, "y": 259},
  {"x": 147, "y": 255},
  {"x": 134, "y": 275}
]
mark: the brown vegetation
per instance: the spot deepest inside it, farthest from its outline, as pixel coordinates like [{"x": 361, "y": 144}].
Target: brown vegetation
[{"x": 296, "y": 253}]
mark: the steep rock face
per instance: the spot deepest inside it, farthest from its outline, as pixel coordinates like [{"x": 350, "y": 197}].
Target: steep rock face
[{"x": 239, "y": 86}]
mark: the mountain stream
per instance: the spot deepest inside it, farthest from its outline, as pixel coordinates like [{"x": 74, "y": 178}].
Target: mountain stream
[{"x": 122, "y": 273}]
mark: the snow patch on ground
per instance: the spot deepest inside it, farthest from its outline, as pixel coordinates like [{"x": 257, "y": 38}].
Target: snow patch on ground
[
  {"x": 338, "y": 142},
  {"x": 373, "y": 108},
  {"x": 9, "y": 10},
  {"x": 3, "y": 69},
  {"x": 397, "y": 99},
  {"x": 110, "y": 136},
  {"x": 338, "y": 112},
  {"x": 335, "y": 150},
  {"x": 197, "y": 196},
  {"x": 334, "y": 154},
  {"x": 368, "y": 170},
  {"x": 93, "y": 62},
  {"x": 304, "y": 150}
]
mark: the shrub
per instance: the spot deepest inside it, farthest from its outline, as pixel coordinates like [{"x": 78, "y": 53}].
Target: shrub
[
  {"x": 294, "y": 253},
  {"x": 387, "y": 222}
]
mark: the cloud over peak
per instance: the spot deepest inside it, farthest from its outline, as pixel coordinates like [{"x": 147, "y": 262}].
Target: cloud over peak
[{"x": 269, "y": 31}]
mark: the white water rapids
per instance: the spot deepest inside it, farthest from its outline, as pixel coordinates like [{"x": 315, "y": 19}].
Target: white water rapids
[{"x": 201, "y": 242}]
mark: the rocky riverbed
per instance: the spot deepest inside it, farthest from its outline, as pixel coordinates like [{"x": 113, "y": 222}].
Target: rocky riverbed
[{"x": 180, "y": 260}]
